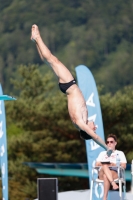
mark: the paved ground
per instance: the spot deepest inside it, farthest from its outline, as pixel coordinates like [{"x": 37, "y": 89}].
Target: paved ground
[{"x": 84, "y": 195}]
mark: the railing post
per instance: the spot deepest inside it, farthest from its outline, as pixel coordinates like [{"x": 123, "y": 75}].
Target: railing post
[{"x": 132, "y": 177}]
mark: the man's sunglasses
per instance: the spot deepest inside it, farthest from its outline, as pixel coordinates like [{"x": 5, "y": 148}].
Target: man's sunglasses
[{"x": 109, "y": 142}]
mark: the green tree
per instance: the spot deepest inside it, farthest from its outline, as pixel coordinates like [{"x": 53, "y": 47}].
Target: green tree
[
  {"x": 86, "y": 32},
  {"x": 45, "y": 132},
  {"x": 40, "y": 130},
  {"x": 117, "y": 69},
  {"x": 117, "y": 115}
]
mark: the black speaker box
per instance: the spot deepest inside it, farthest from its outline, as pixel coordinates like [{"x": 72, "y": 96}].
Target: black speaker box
[{"x": 47, "y": 188}]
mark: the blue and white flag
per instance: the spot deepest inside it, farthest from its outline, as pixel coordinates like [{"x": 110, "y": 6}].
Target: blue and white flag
[
  {"x": 3, "y": 150},
  {"x": 88, "y": 87}
]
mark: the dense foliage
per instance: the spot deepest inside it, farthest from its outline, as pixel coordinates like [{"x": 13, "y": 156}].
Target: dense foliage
[
  {"x": 95, "y": 33},
  {"x": 40, "y": 130}
]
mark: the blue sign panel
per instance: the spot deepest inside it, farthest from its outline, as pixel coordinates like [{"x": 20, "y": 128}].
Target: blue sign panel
[
  {"x": 88, "y": 87},
  {"x": 3, "y": 150}
]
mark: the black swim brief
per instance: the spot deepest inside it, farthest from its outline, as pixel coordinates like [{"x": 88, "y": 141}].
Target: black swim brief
[
  {"x": 64, "y": 86},
  {"x": 84, "y": 135}
]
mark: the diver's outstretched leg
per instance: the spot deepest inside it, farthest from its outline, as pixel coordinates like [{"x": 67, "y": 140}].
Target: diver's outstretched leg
[{"x": 59, "y": 68}]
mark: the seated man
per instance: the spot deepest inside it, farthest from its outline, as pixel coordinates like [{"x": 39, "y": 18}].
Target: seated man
[{"x": 106, "y": 173}]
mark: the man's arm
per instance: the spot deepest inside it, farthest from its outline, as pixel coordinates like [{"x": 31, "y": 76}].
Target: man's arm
[
  {"x": 123, "y": 165},
  {"x": 91, "y": 132},
  {"x": 98, "y": 164},
  {"x": 123, "y": 160}
]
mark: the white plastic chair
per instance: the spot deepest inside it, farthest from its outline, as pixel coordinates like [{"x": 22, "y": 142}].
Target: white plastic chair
[{"x": 120, "y": 180}]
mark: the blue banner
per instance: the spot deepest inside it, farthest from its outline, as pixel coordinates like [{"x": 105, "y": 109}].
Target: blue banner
[
  {"x": 3, "y": 150},
  {"x": 88, "y": 87}
]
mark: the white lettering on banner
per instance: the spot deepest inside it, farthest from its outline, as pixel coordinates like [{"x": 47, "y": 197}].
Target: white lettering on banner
[
  {"x": 1, "y": 132},
  {"x": 97, "y": 188},
  {"x": 0, "y": 107},
  {"x": 2, "y": 150},
  {"x": 90, "y": 101},
  {"x": 94, "y": 145},
  {"x": 93, "y": 164},
  {"x": 98, "y": 192},
  {"x": 95, "y": 170},
  {"x": 3, "y": 169},
  {"x": 92, "y": 118}
]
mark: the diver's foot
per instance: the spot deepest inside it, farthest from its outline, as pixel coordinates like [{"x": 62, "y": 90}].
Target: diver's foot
[
  {"x": 34, "y": 32},
  {"x": 109, "y": 152}
]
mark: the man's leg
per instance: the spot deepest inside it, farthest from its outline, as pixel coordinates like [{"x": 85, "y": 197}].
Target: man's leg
[
  {"x": 106, "y": 187},
  {"x": 110, "y": 176},
  {"x": 60, "y": 70},
  {"x": 103, "y": 177}
]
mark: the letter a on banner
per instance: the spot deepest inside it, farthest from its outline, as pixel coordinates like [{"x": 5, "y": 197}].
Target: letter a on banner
[
  {"x": 3, "y": 145},
  {"x": 87, "y": 85}
]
